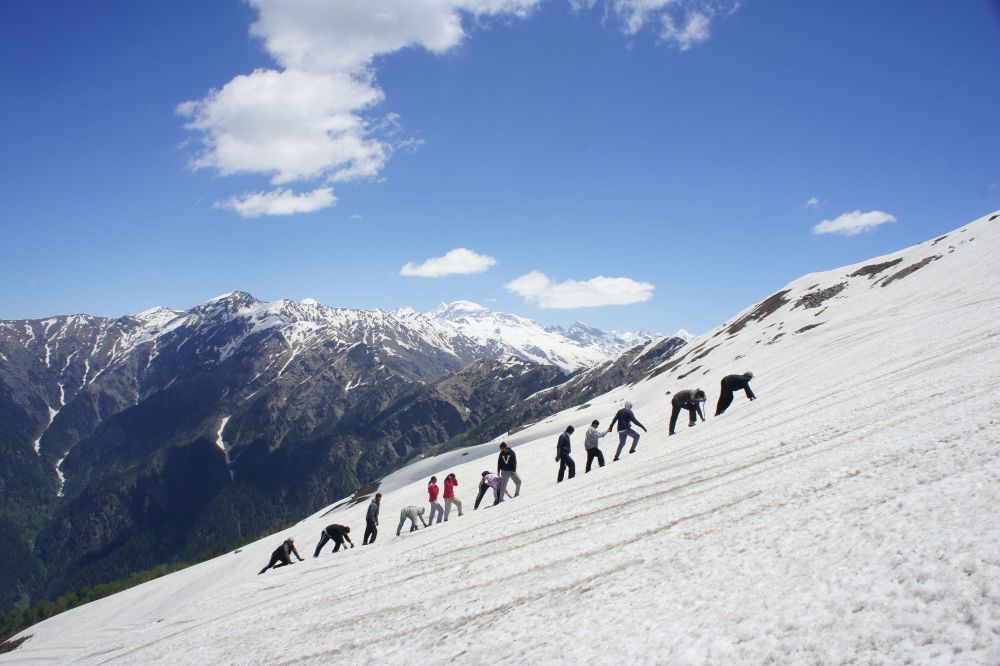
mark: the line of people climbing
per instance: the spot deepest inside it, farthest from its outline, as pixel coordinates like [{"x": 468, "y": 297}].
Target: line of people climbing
[{"x": 688, "y": 399}]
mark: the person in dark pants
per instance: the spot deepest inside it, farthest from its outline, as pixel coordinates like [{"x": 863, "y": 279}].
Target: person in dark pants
[
  {"x": 282, "y": 555},
  {"x": 624, "y": 418},
  {"x": 689, "y": 400},
  {"x": 371, "y": 520},
  {"x": 489, "y": 480},
  {"x": 591, "y": 443},
  {"x": 562, "y": 455},
  {"x": 731, "y": 384},
  {"x": 335, "y": 533}
]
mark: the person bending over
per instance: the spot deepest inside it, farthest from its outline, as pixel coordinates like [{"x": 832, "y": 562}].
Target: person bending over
[
  {"x": 689, "y": 400},
  {"x": 731, "y": 384},
  {"x": 282, "y": 555},
  {"x": 413, "y": 513},
  {"x": 335, "y": 533}
]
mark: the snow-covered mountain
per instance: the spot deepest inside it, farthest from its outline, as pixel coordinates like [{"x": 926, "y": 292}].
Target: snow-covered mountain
[
  {"x": 266, "y": 407},
  {"x": 843, "y": 517},
  {"x": 500, "y": 334}
]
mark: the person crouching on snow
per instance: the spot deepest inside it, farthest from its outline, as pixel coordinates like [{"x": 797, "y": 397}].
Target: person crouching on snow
[
  {"x": 413, "y": 513},
  {"x": 335, "y": 533},
  {"x": 282, "y": 555},
  {"x": 489, "y": 480},
  {"x": 689, "y": 400}
]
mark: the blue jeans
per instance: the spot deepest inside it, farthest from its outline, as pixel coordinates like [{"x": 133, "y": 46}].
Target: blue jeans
[{"x": 622, "y": 436}]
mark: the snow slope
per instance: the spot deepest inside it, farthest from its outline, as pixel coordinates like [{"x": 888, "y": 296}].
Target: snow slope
[{"x": 846, "y": 516}]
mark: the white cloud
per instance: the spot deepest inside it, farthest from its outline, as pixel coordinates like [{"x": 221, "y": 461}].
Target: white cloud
[
  {"x": 536, "y": 288},
  {"x": 812, "y": 202},
  {"x": 683, "y": 23},
  {"x": 852, "y": 224},
  {"x": 278, "y": 202},
  {"x": 694, "y": 31},
  {"x": 312, "y": 118},
  {"x": 459, "y": 261}
]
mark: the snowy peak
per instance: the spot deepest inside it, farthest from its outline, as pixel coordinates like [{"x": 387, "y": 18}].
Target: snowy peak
[
  {"x": 457, "y": 310},
  {"x": 684, "y": 335},
  {"x": 571, "y": 349}
]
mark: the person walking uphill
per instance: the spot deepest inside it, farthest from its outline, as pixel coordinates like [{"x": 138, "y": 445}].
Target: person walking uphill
[
  {"x": 562, "y": 455},
  {"x": 450, "y": 482},
  {"x": 590, "y": 443},
  {"x": 625, "y": 418},
  {"x": 731, "y": 384},
  {"x": 411, "y": 512},
  {"x": 282, "y": 554},
  {"x": 335, "y": 533},
  {"x": 507, "y": 469},
  {"x": 371, "y": 520},
  {"x": 432, "y": 495},
  {"x": 689, "y": 400}
]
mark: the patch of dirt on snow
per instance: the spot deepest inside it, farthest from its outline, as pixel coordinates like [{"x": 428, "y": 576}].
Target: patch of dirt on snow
[
  {"x": 666, "y": 367},
  {"x": 814, "y": 299},
  {"x": 899, "y": 275},
  {"x": 691, "y": 371},
  {"x": 871, "y": 270},
  {"x": 810, "y": 326},
  {"x": 763, "y": 309},
  {"x": 703, "y": 354},
  {"x": 11, "y": 645},
  {"x": 775, "y": 338},
  {"x": 938, "y": 240}
]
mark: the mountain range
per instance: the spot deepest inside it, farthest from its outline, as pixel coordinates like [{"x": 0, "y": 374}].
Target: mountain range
[{"x": 154, "y": 437}]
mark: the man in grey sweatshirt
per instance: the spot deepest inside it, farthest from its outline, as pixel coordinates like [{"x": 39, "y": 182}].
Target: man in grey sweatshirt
[
  {"x": 371, "y": 520},
  {"x": 590, "y": 443}
]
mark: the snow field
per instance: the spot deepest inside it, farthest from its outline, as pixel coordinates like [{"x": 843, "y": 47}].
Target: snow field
[{"x": 846, "y": 516}]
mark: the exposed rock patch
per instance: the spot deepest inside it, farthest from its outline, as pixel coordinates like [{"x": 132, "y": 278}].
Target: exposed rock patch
[
  {"x": 814, "y": 299},
  {"x": 765, "y": 308},
  {"x": 810, "y": 326},
  {"x": 11, "y": 645},
  {"x": 871, "y": 270},
  {"x": 899, "y": 275}
]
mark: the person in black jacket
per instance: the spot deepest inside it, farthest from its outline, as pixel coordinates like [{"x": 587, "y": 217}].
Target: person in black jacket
[
  {"x": 507, "y": 469},
  {"x": 689, "y": 400},
  {"x": 624, "y": 418},
  {"x": 336, "y": 533},
  {"x": 371, "y": 520},
  {"x": 562, "y": 455},
  {"x": 283, "y": 555},
  {"x": 730, "y": 384}
]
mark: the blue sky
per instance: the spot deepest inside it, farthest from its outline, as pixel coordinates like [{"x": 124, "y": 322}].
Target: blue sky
[{"x": 672, "y": 146}]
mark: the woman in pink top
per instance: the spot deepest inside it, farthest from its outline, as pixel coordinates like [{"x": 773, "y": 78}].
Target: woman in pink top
[
  {"x": 449, "y": 495},
  {"x": 432, "y": 494}
]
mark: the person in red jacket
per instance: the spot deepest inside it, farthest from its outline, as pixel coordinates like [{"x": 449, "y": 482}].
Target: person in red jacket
[
  {"x": 432, "y": 495},
  {"x": 450, "y": 482}
]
